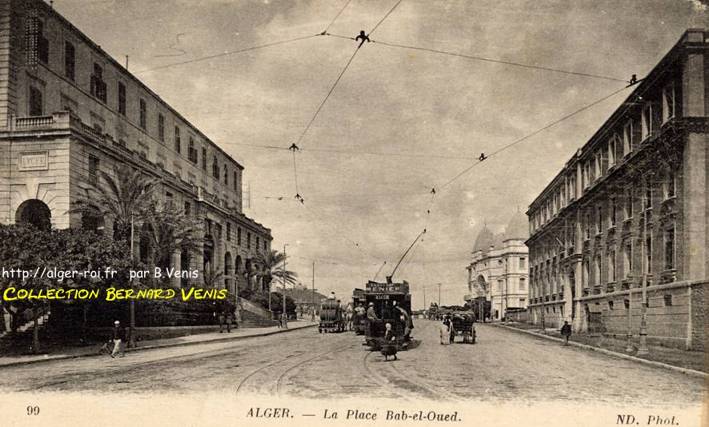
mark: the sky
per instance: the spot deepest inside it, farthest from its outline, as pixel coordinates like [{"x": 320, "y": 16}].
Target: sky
[{"x": 399, "y": 123}]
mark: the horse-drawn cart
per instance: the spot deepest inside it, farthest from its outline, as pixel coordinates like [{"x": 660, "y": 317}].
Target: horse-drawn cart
[
  {"x": 331, "y": 317},
  {"x": 463, "y": 324}
]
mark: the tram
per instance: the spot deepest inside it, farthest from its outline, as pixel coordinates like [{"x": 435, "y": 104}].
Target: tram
[{"x": 383, "y": 296}]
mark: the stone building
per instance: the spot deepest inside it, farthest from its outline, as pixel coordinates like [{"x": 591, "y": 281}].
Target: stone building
[
  {"x": 68, "y": 111},
  {"x": 631, "y": 204},
  {"x": 498, "y": 270}
]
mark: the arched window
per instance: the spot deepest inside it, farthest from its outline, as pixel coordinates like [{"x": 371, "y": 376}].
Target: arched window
[{"x": 34, "y": 212}]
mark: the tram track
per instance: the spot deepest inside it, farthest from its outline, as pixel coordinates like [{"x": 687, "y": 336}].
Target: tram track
[{"x": 301, "y": 364}]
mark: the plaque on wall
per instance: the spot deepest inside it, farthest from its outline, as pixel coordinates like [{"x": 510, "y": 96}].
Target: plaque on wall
[{"x": 34, "y": 161}]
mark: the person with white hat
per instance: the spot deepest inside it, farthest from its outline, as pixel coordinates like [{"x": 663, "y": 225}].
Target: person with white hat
[{"x": 119, "y": 337}]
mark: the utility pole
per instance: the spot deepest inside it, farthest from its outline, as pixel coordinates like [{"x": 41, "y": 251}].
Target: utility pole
[
  {"x": 439, "y": 295},
  {"x": 312, "y": 313},
  {"x": 131, "y": 340},
  {"x": 642, "y": 349},
  {"x": 424, "y": 298},
  {"x": 285, "y": 312}
]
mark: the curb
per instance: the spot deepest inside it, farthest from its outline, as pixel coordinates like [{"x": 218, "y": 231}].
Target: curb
[
  {"x": 156, "y": 346},
  {"x": 685, "y": 371}
]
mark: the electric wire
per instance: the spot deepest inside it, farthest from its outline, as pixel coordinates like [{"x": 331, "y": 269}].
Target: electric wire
[
  {"x": 385, "y": 17},
  {"x": 337, "y": 16},
  {"x": 332, "y": 88},
  {"x": 227, "y": 53},
  {"x": 526, "y": 137},
  {"x": 499, "y": 61}
]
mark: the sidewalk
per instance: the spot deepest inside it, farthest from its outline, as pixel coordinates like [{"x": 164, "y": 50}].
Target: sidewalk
[
  {"x": 688, "y": 362},
  {"x": 236, "y": 334}
]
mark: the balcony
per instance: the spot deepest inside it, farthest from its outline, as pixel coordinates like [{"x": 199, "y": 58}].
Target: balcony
[{"x": 56, "y": 121}]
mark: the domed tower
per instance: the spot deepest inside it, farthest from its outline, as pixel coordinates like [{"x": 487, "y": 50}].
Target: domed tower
[
  {"x": 484, "y": 240},
  {"x": 518, "y": 227}
]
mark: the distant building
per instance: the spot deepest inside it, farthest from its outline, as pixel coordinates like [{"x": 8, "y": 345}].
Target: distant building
[
  {"x": 498, "y": 270},
  {"x": 68, "y": 111},
  {"x": 632, "y": 204},
  {"x": 305, "y": 298}
]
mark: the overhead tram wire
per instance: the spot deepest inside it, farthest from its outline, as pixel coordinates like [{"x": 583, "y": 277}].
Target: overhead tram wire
[
  {"x": 384, "y": 17},
  {"x": 227, "y": 53},
  {"x": 499, "y": 61},
  {"x": 526, "y": 137},
  {"x": 332, "y": 88},
  {"x": 336, "y": 16}
]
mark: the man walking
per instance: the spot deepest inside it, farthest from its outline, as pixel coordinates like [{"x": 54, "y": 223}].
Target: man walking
[
  {"x": 118, "y": 337},
  {"x": 566, "y": 332}
]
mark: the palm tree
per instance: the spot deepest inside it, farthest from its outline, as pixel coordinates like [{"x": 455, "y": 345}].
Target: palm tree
[
  {"x": 123, "y": 198},
  {"x": 272, "y": 263},
  {"x": 169, "y": 229}
]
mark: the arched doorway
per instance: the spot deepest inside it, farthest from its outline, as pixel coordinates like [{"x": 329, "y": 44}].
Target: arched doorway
[
  {"x": 34, "y": 212},
  {"x": 227, "y": 264}
]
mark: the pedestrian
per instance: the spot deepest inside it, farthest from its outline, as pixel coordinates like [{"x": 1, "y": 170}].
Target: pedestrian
[
  {"x": 229, "y": 320},
  {"x": 389, "y": 344},
  {"x": 445, "y": 331},
  {"x": 566, "y": 332},
  {"x": 221, "y": 321},
  {"x": 118, "y": 337}
]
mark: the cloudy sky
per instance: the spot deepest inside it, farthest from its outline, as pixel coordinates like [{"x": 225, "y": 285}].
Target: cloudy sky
[{"x": 400, "y": 122}]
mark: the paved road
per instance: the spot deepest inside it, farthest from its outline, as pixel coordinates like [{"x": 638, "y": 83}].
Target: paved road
[{"x": 503, "y": 365}]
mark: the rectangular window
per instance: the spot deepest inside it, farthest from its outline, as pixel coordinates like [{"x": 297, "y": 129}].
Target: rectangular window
[
  {"x": 628, "y": 259},
  {"x": 188, "y": 208},
  {"x": 670, "y": 249},
  {"x": 612, "y": 146},
  {"x": 37, "y": 46},
  {"x": 668, "y": 103},
  {"x": 98, "y": 85},
  {"x": 599, "y": 220},
  {"x": 647, "y": 201},
  {"x": 629, "y": 204},
  {"x": 36, "y": 107},
  {"x": 228, "y": 231},
  {"x": 668, "y": 300},
  {"x": 612, "y": 213},
  {"x": 178, "y": 141},
  {"x": 628, "y": 138},
  {"x": 648, "y": 254},
  {"x": 93, "y": 168},
  {"x": 238, "y": 236},
  {"x": 611, "y": 266},
  {"x": 646, "y": 123},
  {"x": 215, "y": 167},
  {"x": 610, "y": 305},
  {"x": 522, "y": 284},
  {"x": 258, "y": 243},
  {"x": 234, "y": 182},
  {"x": 69, "y": 61},
  {"x": 121, "y": 98},
  {"x": 226, "y": 175},
  {"x": 143, "y": 119},
  {"x": 161, "y": 127},
  {"x": 522, "y": 263},
  {"x": 671, "y": 185},
  {"x": 248, "y": 240},
  {"x": 191, "y": 151},
  {"x": 204, "y": 158}
]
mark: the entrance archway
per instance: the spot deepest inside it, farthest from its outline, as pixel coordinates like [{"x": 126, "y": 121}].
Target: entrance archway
[{"x": 34, "y": 212}]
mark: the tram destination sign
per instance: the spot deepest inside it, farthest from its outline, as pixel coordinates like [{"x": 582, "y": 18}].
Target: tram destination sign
[{"x": 386, "y": 288}]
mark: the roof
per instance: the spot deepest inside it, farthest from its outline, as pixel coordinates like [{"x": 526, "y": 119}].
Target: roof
[
  {"x": 484, "y": 240},
  {"x": 518, "y": 227}
]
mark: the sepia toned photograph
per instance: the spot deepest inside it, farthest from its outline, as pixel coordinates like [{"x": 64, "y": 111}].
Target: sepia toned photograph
[{"x": 354, "y": 212}]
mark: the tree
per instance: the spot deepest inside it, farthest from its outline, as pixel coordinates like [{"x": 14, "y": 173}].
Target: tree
[
  {"x": 27, "y": 248},
  {"x": 169, "y": 229},
  {"x": 272, "y": 263},
  {"x": 124, "y": 198}
]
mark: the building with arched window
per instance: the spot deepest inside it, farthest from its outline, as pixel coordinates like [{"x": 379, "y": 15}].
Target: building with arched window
[
  {"x": 498, "y": 269},
  {"x": 70, "y": 113}
]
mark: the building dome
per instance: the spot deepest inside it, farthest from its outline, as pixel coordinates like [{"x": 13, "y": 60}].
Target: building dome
[
  {"x": 484, "y": 240},
  {"x": 518, "y": 228}
]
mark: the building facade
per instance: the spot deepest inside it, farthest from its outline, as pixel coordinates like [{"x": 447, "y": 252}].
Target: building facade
[
  {"x": 68, "y": 111},
  {"x": 498, "y": 269},
  {"x": 630, "y": 211}
]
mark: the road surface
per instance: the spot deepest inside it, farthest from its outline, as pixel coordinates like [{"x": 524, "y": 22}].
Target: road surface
[{"x": 502, "y": 365}]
